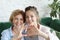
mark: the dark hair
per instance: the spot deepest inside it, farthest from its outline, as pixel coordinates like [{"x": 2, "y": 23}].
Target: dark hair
[{"x": 32, "y": 8}]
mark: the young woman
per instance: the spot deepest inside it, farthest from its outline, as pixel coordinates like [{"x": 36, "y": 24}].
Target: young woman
[
  {"x": 36, "y": 31},
  {"x": 15, "y": 31}
]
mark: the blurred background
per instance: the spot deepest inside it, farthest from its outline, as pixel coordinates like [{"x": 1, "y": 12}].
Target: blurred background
[
  {"x": 49, "y": 12},
  {"x": 7, "y": 6}
]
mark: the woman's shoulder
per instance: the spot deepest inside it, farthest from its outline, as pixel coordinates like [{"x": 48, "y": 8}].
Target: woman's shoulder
[
  {"x": 6, "y": 34},
  {"x": 6, "y": 31},
  {"x": 44, "y": 28}
]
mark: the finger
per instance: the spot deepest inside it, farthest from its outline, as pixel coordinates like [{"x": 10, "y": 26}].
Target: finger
[
  {"x": 24, "y": 34},
  {"x": 30, "y": 34},
  {"x": 27, "y": 35},
  {"x": 22, "y": 27}
]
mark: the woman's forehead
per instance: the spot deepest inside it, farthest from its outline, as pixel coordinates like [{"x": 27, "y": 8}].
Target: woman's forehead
[
  {"x": 30, "y": 12},
  {"x": 18, "y": 16}
]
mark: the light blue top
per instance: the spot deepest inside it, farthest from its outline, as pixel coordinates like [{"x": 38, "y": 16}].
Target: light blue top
[{"x": 7, "y": 34}]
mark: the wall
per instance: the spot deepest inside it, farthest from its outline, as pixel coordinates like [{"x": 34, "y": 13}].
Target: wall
[{"x": 7, "y": 6}]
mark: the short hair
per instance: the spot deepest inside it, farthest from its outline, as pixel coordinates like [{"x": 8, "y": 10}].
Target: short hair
[{"x": 17, "y": 12}]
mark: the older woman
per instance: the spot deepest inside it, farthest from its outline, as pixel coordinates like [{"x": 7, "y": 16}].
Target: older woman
[{"x": 15, "y": 31}]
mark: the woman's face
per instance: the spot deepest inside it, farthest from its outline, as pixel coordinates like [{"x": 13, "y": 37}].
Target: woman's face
[
  {"x": 31, "y": 17},
  {"x": 18, "y": 20}
]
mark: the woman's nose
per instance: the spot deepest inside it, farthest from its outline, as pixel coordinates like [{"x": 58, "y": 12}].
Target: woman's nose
[
  {"x": 29, "y": 19},
  {"x": 19, "y": 22}
]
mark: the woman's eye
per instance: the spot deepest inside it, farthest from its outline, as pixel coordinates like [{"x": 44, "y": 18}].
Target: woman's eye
[
  {"x": 32, "y": 16},
  {"x": 16, "y": 18},
  {"x": 21, "y": 19}
]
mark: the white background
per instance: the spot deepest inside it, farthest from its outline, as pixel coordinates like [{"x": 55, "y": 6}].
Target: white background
[{"x": 7, "y": 6}]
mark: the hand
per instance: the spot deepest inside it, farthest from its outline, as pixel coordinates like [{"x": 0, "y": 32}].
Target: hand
[
  {"x": 32, "y": 30},
  {"x": 18, "y": 31},
  {"x": 21, "y": 30}
]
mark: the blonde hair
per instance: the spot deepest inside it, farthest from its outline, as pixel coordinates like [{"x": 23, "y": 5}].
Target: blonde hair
[{"x": 16, "y": 12}]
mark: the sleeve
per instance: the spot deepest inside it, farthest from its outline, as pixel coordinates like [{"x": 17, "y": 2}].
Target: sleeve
[
  {"x": 5, "y": 35},
  {"x": 52, "y": 36}
]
